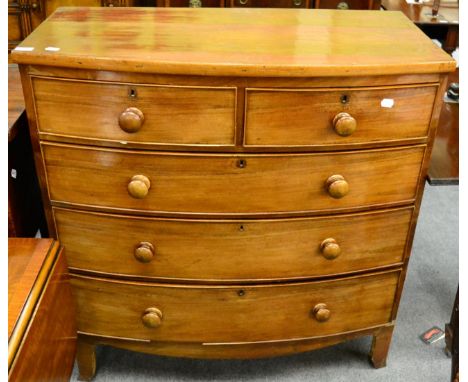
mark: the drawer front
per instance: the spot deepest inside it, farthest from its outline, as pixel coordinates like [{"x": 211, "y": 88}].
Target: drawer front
[
  {"x": 347, "y": 4},
  {"x": 270, "y": 3},
  {"x": 170, "y": 114},
  {"x": 232, "y": 250},
  {"x": 305, "y": 117},
  {"x": 226, "y": 184},
  {"x": 159, "y": 312}
]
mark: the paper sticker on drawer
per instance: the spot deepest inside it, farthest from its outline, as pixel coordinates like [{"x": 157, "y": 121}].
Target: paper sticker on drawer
[{"x": 387, "y": 102}]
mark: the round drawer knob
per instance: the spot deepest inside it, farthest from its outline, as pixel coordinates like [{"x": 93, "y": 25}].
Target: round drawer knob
[
  {"x": 139, "y": 186},
  {"x": 337, "y": 186},
  {"x": 152, "y": 318},
  {"x": 131, "y": 120},
  {"x": 330, "y": 249},
  {"x": 344, "y": 124},
  {"x": 144, "y": 252},
  {"x": 321, "y": 312}
]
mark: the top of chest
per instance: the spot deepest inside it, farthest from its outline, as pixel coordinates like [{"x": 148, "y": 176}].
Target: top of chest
[{"x": 233, "y": 42}]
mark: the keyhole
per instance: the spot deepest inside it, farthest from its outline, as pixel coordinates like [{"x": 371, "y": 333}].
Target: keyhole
[
  {"x": 344, "y": 99},
  {"x": 241, "y": 293},
  {"x": 132, "y": 93},
  {"x": 241, "y": 228},
  {"x": 241, "y": 163}
]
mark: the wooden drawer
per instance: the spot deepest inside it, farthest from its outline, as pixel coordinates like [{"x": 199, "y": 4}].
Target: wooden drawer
[
  {"x": 347, "y": 4},
  {"x": 269, "y": 3},
  {"x": 176, "y": 115},
  {"x": 305, "y": 117},
  {"x": 230, "y": 184},
  {"x": 217, "y": 250},
  {"x": 233, "y": 313}
]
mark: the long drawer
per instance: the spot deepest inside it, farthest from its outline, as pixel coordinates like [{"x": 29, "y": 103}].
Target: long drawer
[
  {"x": 306, "y": 117},
  {"x": 178, "y": 115},
  {"x": 231, "y": 184},
  {"x": 204, "y": 314},
  {"x": 223, "y": 250}
]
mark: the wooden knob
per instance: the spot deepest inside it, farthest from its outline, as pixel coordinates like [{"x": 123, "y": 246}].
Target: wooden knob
[
  {"x": 337, "y": 186},
  {"x": 152, "y": 318},
  {"x": 321, "y": 312},
  {"x": 344, "y": 124},
  {"x": 139, "y": 186},
  {"x": 144, "y": 252},
  {"x": 330, "y": 249},
  {"x": 131, "y": 120}
]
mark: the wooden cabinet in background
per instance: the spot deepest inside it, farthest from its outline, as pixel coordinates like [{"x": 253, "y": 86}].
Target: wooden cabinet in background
[{"x": 347, "y": 4}]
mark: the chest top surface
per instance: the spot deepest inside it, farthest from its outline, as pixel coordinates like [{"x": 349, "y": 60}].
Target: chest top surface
[{"x": 233, "y": 42}]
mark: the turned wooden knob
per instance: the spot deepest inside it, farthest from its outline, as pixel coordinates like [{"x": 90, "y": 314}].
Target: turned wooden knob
[
  {"x": 152, "y": 318},
  {"x": 131, "y": 120},
  {"x": 139, "y": 186},
  {"x": 337, "y": 186},
  {"x": 344, "y": 124},
  {"x": 330, "y": 249},
  {"x": 321, "y": 312},
  {"x": 144, "y": 252}
]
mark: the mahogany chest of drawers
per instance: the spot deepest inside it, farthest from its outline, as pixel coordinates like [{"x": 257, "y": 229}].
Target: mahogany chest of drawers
[{"x": 247, "y": 196}]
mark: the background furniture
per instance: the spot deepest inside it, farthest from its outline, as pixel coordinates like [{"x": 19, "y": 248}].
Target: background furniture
[
  {"x": 324, "y": 4},
  {"x": 25, "y": 211},
  {"x": 247, "y": 232},
  {"x": 452, "y": 339},
  {"x": 444, "y": 161},
  {"x": 41, "y": 312},
  {"x": 444, "y": 27}
]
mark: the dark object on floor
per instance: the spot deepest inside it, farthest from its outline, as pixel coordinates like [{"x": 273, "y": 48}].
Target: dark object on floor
[
  {"x": 453, "y": 90},
  {"x": 41, "y": 313},
  {"x": 451, "y": 340}
]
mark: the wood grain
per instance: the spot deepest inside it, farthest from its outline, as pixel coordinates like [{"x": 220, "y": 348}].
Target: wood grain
[
  {"x": 300, "y": 117},
  {"x": 172, "y": 114},
  {"x": 215, "y": 184},
  {"x": 294, "y": 43},
  {"x": 221, "y": 251},
  {"x": 15, "y": 101},
  {"x": 225, "y": 314},
  {"x": 47, "y": 323}
]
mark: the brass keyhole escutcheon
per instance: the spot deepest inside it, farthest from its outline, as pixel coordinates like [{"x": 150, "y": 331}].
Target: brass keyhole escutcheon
[
  {"x": 342, "y": 5},
  {"x": 344, "y": 99}
]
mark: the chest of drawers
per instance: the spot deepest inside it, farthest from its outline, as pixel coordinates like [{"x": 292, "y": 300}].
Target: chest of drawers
[{"x": 245, "y": 197}]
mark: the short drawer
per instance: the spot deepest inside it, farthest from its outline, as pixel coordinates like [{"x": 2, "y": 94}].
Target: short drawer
[
  {"x": 231, "y": 184},
  {"x": 177, "y": 115},
  {"x": 269, "y": 3},
  {"x": 226, "y": 250},
  {"x": 204, "y": 314},
  {"x": 307, "y": 117},
  {"x": 347, "y": 4}
]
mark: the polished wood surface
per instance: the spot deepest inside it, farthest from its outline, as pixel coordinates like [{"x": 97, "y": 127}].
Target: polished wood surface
[
  {"x": 306, "y": 117},
  {"x": 236, "y": 314},
  {"x": 293, "y": 42},
  {"x": 26, "y": 258},
  {"x": 44, "y": 333},
  {"x": 203, "y": 115},
  {"x": 230, "y": 250},
  {"x": 180, "y": 183},
  {"x": 444, "y": 168}
]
